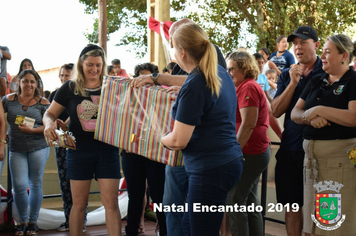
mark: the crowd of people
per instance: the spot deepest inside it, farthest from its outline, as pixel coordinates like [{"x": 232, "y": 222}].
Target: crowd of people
[{"x": 221, "y": 115}]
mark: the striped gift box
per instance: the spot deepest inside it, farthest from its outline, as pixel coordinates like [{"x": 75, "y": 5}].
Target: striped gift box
[{"x": 135, "y": 119}]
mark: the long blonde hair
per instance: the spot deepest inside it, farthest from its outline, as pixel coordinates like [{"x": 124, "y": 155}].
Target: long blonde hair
[
  {"x": 194, "y": 40},
  {"x": 78, "y": 84}
]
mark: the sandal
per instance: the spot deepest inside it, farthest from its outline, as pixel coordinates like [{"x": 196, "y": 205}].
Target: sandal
[
  {"x": 32, "y": 229},
  {"x": 21, "y": 230}
]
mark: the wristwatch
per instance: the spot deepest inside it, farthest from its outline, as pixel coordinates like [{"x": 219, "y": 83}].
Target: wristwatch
[
  {"x": 154, "y": 78},
  {"x": 3, "y": 141}
]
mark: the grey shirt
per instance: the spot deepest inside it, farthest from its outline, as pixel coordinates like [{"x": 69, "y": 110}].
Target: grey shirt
[{"x": 19, "y": 141}]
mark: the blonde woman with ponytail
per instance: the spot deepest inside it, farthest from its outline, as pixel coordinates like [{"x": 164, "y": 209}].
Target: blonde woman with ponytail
[{"x": 204, "y": 129}]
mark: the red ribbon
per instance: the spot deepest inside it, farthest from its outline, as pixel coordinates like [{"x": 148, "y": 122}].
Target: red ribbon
[{"x": 155, "y": 25}]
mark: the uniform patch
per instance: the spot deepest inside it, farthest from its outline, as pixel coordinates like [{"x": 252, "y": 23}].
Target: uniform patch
[{"x": 339, "y": 90}]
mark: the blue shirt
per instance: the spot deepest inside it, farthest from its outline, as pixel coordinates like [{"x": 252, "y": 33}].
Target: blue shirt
[
  {"x": 263, "y": 82},
  {"x": 292, "y": 136},
  {"x": 213, "y": 142},
  {"x": 283, "y": 62}
]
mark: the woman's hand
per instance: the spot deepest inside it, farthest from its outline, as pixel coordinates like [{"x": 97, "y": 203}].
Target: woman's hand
[
  {"x": 310, "y": 114},
  {"x": 50, "y": 131},
  {"x": 25, "y": 128},
  {"x": 319, "y": 122},
  {"x": 174, "y": 88},
  {"x": 2, "y": 147},
  {"x": 142, "y": 80},
  {"x": 61, "y": 124}
]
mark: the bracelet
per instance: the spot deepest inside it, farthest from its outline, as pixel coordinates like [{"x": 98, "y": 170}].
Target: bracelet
[{"x": 3, "y": 141}]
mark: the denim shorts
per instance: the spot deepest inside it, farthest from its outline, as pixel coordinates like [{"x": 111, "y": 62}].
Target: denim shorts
[{"x": 93, "y": 159}]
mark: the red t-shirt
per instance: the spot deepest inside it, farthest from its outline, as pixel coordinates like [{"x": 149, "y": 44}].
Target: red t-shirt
[
  {"x": 123, "y": 74},
  {"x": 250, "y": 94}
]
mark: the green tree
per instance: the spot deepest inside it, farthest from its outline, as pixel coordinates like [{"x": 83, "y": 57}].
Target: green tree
[
  {"x": 230, "y": 23},
  {"x": 129, "y": 14}
]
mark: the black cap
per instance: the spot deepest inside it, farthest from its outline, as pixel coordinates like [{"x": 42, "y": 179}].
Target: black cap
[{"x": 303, "y": 32}]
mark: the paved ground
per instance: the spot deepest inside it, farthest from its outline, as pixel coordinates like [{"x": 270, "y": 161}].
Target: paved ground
[{"x": 272, "y": 229}]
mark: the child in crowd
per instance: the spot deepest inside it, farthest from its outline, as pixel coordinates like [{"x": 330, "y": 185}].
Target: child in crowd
[
  {"x": 264, "y": 83},
  {"x": 112, "y": 71},
  {"x": 272, "y": 81}
]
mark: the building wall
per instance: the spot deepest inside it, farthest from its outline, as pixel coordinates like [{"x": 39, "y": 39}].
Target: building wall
[{"x": 50, "y": 78}]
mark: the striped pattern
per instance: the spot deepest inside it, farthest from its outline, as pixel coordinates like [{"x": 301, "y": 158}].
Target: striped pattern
[{"x": 135, "y": 119}]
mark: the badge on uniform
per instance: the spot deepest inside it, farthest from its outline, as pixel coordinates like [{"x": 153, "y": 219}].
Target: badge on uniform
[{"x": 339, "y": 90}]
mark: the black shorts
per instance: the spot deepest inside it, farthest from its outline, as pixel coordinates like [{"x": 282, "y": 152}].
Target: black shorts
[
  {"x": 289, "y": 176},
  {"x": 93, "y": 159}
]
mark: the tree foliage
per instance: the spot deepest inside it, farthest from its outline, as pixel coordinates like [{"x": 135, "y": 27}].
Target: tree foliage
[
  {"x": 230, "y": 23},
  {"x": 130, "y": 14}
]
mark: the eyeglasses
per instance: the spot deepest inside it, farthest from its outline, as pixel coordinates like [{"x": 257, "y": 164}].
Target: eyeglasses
[{"x": 231, "y": 69}]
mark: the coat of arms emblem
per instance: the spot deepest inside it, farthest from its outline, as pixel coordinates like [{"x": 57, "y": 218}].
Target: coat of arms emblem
[{"x": 328, "y": 206}]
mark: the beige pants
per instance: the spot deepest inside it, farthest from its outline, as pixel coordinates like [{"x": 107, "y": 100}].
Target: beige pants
[{"x": 328, "y": 160}]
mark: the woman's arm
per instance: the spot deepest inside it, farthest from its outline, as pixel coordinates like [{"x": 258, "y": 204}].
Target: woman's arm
[
  {"x": 299, "y": 117},
  {"x": 273, "y": 66},
  {"x": 49, "y": 117},
  {"x": 179, "y": 137},
  {"x": 344, "y": 117},
  {"x": 30, "y": 130},
  {"x": 249, "y": 116},
  {"x": 298, "y": 111},
  {"x": 2, "y": 131}
]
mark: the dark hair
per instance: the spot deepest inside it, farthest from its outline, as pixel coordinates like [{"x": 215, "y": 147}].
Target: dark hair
[
  {"x": 279, "y": 39},
  {"x": 110, "y": 68},
  {"x": 171, "y": 65},
  {"x": 68, "y": 67},
  {"x": 115, "y": 61},
  {"x": 258, "y": 56},
  {"x": 265, "y": 50},
  {"x": 22, "y": 62},
  {"x": 37, "y": 78},
  {"x": 165, "y": 69},
  {"x": 47, "y": 93},
  {"x": 145, "y": 66}
]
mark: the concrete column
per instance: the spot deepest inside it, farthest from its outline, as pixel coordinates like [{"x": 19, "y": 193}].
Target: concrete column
[{"x": 158, "y": 9}]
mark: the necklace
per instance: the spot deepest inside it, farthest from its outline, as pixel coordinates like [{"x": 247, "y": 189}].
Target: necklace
[
  {"x": 282, "y": 51},
  {"x": 24, "y": 106},
  {"x": 93, "y": 89}
]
